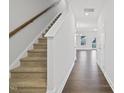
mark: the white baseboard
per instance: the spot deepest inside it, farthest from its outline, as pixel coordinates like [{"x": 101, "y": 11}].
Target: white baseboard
[
  {"x": 109, "y": 80},
  {"x": 107, "y": 77},
  {"x": 86, "y": 48},
  {"x": 16, "y": 63},
  {"x": 60, "y": 88}
]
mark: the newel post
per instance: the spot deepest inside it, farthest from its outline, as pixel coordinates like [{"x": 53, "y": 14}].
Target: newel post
[{"x": 50, "y": 64}]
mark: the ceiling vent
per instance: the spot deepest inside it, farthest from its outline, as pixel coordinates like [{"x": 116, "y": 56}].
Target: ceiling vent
[{"x": 89, "y": 10}]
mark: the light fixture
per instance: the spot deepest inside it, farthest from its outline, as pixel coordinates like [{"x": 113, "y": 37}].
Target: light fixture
[
  {"x": 95, "y": 29},
  {"x": 89, "y": 10},
  {"x": 86, "y": 13}
]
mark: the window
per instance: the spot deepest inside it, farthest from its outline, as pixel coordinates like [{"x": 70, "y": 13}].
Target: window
[
  {"x": 94, "y": 43},
  {"x": 83, "y": 40}
]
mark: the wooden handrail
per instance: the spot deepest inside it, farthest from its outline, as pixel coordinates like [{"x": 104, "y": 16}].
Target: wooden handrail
[{"x": 12, "y": 33}]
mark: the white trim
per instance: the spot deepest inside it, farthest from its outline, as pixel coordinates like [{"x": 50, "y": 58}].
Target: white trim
[
  {"x": 54, "y": 29},
  {"x": 16, "y": 63},
  {"x": 86, "y": 48},
  {"x": 50, "y": 65},
  {"x": 59, "y": 89},
  {"x": 109, "y": 80},
  {"x": 107, "y": 77}
]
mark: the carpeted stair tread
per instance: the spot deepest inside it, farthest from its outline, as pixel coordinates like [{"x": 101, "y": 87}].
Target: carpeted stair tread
[
  {"x": 29, "y": 69},
  {"x": 28, "y": 83},
  {"x": 37, "y": 50},
  {"x": 36, "y": 59}
]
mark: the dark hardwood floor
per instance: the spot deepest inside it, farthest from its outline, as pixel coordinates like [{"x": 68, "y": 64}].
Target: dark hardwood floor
[{"x": 86, "y": 77}]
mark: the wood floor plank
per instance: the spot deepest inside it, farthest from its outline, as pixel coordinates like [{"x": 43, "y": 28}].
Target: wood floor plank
[{"x": 86, "y": 77}]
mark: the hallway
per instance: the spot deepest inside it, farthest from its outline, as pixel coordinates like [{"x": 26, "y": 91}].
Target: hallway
[{"x": 86, "y": 77}]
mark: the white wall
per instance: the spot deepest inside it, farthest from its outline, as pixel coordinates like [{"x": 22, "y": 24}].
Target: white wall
[
  {"x": 106, "y": 61},
  {"x": 21, "y": 11},
  {"x": 109, "y": 40},
  {"x": 65, "y": 52},
  {"x": 61, "y": 52}
]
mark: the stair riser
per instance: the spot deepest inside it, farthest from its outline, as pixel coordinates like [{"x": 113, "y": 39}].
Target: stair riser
[
  {"x": 32, "y": 54},
  {"x": 39, "y": 47},
  {"x": 31, "y": 90},
  {"x": 42, "y": 41},
  {"x": 28, "y": 75},
  {"x": 43, "y": 64},
  {"x": 13, "y": 91}
]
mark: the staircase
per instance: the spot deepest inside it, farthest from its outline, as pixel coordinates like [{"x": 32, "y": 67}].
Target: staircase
[{"x": 31, "y": 75}]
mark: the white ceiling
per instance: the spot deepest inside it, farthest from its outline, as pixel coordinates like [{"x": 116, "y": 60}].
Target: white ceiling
[{"x": 78, "y": 7}]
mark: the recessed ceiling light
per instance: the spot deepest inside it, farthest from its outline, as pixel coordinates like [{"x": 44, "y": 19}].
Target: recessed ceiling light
[
  {"x": 86, "y": 14},
  {"x": 95, "y": 29}
]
